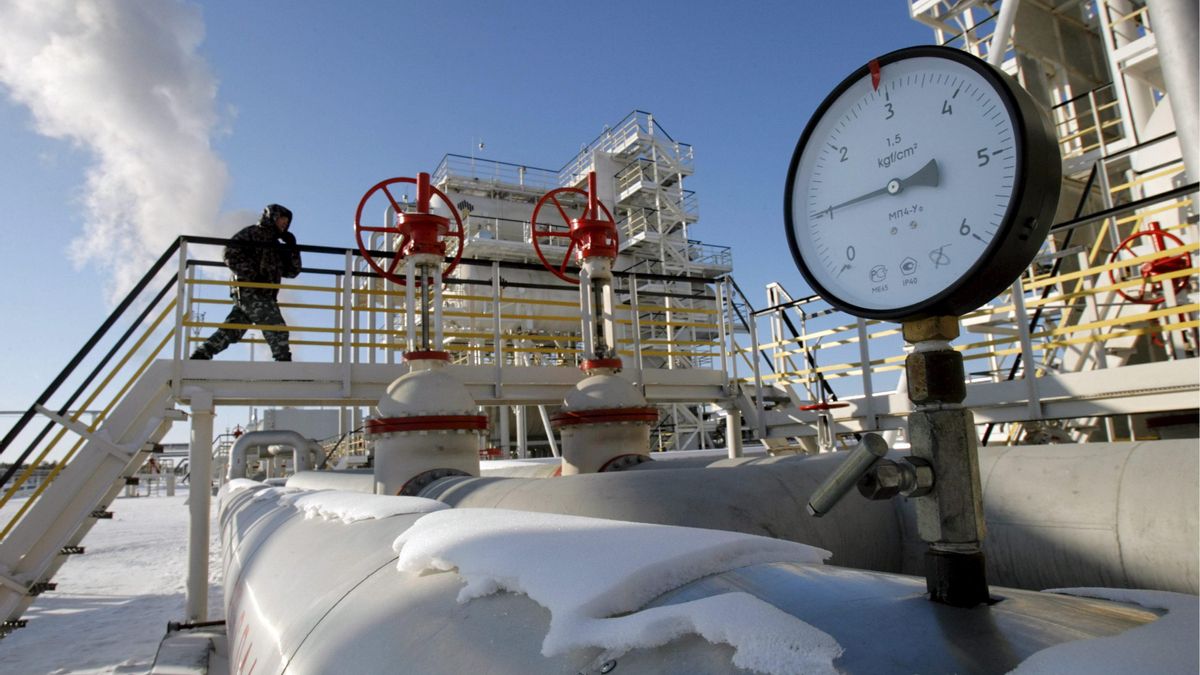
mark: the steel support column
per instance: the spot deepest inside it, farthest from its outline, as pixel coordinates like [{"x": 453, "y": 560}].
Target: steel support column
[
  {"x": 1174, "y": 25},
  {"x": 199, "y": 499}
]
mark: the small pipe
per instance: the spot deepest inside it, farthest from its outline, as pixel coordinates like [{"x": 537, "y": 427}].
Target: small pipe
[
  {"x": 549, "y": 431},
  {"x": 592, "y": 200},
  {"x": 602, "y": 338},
  {"x": 199, "y": 504},
  {"x": 1000, "y": 37},
  {"x": 176, "y": 626},
  {"x": 426, "y": 280},
  {"x": 423, "y": 192},
  {"x": 863, "y": 457},
  {"x": 252, "y": 439}
]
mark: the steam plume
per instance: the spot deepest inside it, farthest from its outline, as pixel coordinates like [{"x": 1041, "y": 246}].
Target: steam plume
[{"x": 123, "y": 80}]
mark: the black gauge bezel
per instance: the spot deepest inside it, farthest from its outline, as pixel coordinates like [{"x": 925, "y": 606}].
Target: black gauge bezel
[{"x": 1027, "y": 219}]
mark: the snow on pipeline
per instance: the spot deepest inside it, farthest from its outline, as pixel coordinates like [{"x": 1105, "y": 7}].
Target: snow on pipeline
[
  {"x": 347, "y": 507},
  {"x": 626, "y": 565},
  {"x": 113, "y": 603}
]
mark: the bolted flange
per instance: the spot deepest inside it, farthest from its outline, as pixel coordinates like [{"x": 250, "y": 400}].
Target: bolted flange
[
  {"x": 622, "y": 462},
  {"x": 419, "y": 482}
]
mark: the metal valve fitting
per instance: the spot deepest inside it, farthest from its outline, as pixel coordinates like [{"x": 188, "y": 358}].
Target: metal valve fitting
[
  {"x": 869, "y": 450},
  {"x": 910, "y": 477}
]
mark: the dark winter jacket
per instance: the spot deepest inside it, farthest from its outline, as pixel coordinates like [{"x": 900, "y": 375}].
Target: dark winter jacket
[{"x": 267, "y": 262}]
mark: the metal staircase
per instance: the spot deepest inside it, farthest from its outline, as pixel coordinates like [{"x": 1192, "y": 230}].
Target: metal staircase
[{"x": 38, "y": 540}]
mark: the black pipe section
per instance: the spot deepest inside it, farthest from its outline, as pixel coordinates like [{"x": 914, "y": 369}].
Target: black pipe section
[{"x": 176, "y": 626}]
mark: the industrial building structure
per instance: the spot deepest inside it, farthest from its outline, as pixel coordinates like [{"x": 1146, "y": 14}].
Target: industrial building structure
[{"x": 1095, "y": 346}]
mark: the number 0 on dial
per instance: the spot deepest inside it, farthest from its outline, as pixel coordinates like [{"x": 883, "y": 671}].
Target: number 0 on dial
[{"x": 924, "y": 184}]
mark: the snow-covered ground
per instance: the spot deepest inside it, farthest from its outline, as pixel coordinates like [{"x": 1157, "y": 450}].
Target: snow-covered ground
[{"x": 113, "y": 603}]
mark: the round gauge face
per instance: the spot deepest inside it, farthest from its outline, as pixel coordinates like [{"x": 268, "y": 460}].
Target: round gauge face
[{"x": 906, "y": 184}]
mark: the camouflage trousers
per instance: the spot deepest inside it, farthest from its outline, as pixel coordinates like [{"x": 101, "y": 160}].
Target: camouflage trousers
[{"x": 257, "y": 307}]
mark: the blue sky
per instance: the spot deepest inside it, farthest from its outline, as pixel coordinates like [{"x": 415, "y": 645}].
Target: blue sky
[{"x": 315, "y": 102}]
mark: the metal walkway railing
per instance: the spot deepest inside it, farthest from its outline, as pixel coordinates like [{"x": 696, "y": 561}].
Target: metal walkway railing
[
  {"x": 494, "y": 314},
  {"x": 512, "y": 329},
  {"x": 1085, "y": 323}
]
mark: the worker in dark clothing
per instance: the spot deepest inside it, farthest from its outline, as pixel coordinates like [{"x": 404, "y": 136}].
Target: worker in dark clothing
[{"x": 274, "y": 257}]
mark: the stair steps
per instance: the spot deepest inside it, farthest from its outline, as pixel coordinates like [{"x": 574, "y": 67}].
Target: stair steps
[{"x": 55, "y": 525}]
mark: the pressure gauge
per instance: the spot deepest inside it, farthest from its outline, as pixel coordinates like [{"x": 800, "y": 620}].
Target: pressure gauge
[{"x": 924, "y": 185}]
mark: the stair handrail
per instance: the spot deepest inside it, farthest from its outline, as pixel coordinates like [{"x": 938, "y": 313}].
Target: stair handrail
[
  {"x": 138, "y": 293},
  {"x": 99, "y": 367},
  {"x": 83, "y": 352},
  {"x": 827, "y": 392},
  {"x": 1054, "y": 269},
  {"x": 130, "y": 298},
  {"x": 750, "y": 306},
  {"x": 965, "y": 34},
  {"x": 636, "y": 122},
  {"x": 1129, "y": 206}
]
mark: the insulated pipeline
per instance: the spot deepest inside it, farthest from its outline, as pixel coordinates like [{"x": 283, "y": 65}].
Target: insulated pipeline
[{"x": 1101, "y": 514}]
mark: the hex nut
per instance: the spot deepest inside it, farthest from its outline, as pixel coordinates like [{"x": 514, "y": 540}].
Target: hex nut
[
  {"x": 883, "y": 481},
  {"x": 919, "y": 479},
  {"x": 936, "y": 376},
  {"x": 932, "y": 328}
]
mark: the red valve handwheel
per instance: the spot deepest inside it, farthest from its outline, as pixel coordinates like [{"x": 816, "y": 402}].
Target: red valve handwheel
[
  {"x": 590, "y": 235},
  {"x": 1150, "y": 292},
  {"x": 824, "y": 406},
  {"x": 420, "y": 231}
]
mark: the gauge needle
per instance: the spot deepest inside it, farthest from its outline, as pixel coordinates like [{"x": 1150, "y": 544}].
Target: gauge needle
[{"x": 925, "y": 176}]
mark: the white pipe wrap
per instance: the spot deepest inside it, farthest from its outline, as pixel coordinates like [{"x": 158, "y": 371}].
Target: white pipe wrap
[{"x": 301, "y": 447}]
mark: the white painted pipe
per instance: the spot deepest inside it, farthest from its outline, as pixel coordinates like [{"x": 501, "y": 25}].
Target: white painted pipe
[
  {"x": 1098, "y": 514},
  {"x": 199, "y": 498},
  {"x": 1174, "y": 26},
  {"x": 733, "y": 431},
  {"x": 301, "y": 446},
  {"x": 1004, "y": 24},
  {"x": 356, "y": 614},
  {"x": 549, "y": 431},
  {"x": 303, "y": 459}
]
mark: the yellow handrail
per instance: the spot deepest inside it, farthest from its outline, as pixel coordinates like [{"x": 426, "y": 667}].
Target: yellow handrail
[
  {"x": 1004, "y": 309},
  {"x": 845, "y": 369},
  {"x": 261, "y": 284},
  {"x": 1170, "y": 171},
  {"x": 88, "y": 402},
  {"x": 1049, "y": 339},
  {"x": 1118, "y": 264},
  {"x": 71, "y": 454},
  {"x": 277, "y": 328},
  {"x": 282, "y": 305}
]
